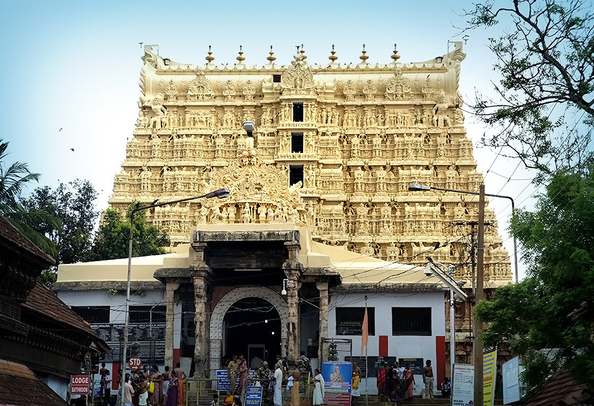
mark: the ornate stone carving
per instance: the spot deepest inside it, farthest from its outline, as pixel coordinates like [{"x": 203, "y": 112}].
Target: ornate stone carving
[
  {"x": 200, "y": 88},
  {"x": 298, "y": 78},
  {"x": 368, "y": 132}
]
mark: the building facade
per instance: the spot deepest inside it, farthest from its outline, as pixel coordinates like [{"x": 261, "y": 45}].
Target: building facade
[{"x": 319, "y": 215}]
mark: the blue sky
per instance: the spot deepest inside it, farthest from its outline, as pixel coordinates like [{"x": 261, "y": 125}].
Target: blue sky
[{"x": 74, "y": 66}]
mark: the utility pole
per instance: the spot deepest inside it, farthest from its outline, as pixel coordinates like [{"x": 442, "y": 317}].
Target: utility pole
[{"x": 478, "y": 345}]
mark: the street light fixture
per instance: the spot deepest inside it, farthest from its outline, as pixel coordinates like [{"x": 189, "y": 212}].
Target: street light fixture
[
  {"x": 478, "y": 346},
  {"x": 414, "y": 187},
  {"x": 221, "y": 194}
]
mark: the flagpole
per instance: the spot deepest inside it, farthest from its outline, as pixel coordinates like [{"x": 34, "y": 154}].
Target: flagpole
[{"x": 366, "y": 366}]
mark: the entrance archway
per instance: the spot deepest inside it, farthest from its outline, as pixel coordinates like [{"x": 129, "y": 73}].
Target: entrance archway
[
  {"x": 253, "y": 329},
  {"x": 223, "y": 306}
]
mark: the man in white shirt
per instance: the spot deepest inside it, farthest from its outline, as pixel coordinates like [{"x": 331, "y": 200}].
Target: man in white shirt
[{"x": 278, "y": 385}]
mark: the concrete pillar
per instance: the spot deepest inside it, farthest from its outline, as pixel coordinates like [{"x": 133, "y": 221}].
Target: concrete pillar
[
  {"x": 323, "y": 327},
  {"x": 170, "y": 289}
]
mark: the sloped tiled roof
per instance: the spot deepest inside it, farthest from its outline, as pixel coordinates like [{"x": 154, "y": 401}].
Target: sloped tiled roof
[
  {"x": 45, "y": 302},
  {"x": 16, "y": 238},
  {"x": 20, "y": 387},
  {"x": 562, "y": 390}
]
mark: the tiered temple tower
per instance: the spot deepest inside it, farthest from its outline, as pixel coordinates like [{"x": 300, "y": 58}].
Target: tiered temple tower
[{"x": 345, "y": 142}]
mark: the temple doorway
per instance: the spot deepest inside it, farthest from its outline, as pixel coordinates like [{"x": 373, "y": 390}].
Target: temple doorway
[{"x": 253, "y": 329}]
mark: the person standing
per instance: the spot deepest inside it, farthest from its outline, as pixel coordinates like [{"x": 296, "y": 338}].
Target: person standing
[
  {"x": 181, "y": 376},
  {"x": 155, "y": 398},
  {"x": 232, "y": 368},
  {"x": 106, "y": 387},
  {"x": 428, "y": 380},
  {"x": 296, "y": 374},
  {"x": 166, "y": 377},
  {"x": 356, "y": 379},
  {"x": 318, "y": 393},
  {"x": 409, "y": 383},
  {"x": 381, "y": 379},
  {"x": 278, "y": 385},
  {"x": 128, "y": 391},
  {"x": 173, "y": 390},
  {"x": 142, "y": 389},
  {"x": 242, "y": 377}
]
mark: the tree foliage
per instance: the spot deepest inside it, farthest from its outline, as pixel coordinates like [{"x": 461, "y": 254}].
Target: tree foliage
[
  {"x": 74, "y": 204},
  {"x": 548, "y": 319},
  {"x": 543, "y": 111},
  {"x": 14, "y": 177},
  {"x": 112, "y": 239}
]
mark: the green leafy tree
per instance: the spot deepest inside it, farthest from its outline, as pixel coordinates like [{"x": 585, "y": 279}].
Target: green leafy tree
[
  {"x": 13, "y": 178},
  {"x": 74, "y": 204},
  {"x": 548, "y": 319},
  {"x": 112, "y": 239},
  {"x": 543, "y": 108}
]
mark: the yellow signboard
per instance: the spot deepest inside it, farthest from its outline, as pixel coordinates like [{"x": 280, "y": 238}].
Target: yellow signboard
[{"x": 489, "y": 375}]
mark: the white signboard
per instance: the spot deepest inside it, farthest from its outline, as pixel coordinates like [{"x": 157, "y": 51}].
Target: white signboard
[
  {"x": 511, "y": 381},
  {"x": 463, "y": 385}
]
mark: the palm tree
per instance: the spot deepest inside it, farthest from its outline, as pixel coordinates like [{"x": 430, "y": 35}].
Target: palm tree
[{"x": 13, "y": 178}]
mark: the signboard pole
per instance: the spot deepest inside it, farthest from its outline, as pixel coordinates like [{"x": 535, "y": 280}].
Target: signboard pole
[{"x": 366, "y": 369}]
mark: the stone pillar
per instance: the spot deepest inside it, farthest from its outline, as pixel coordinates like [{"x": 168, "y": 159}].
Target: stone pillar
[
  {"x": 292, "y": 269},
  {"x": 323, "y": 326},
  {"x": 170, "y": 289},
  {"x": 200, "y": 273},
  {"x": 201, "y": 331}
]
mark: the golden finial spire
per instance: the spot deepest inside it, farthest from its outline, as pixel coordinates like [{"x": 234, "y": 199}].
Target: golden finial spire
[
  {"x": 364, "y": 57},
  {"x": 209, "y": 58},
  {"x": 302, "y": 52},
  {"x": 271, "y": 58},
  {"x": 240, "y": 57},
  {"x": 333, "y": 57},
  {"x": 395, "y": 55}
]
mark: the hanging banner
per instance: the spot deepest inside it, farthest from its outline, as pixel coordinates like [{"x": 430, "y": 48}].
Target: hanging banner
[
  {"x": 463, "y": 385},
  {"x": 337, "y": 382},
  {"x": 489, "y": 376}
]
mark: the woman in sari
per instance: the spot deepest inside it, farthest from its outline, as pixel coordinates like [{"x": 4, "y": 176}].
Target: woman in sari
[
  {"x": 409, "y": 383},
  {"x": 242, "y": 377},
  {"x": 318, "y": 393},
  {"x": 157, "y": 380},
  {"x": 173, "y": 390},
  {"x": 381, "y": 379}
]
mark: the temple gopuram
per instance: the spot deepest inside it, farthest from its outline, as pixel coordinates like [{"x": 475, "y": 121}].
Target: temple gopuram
[{"x": 319, "y": 226}]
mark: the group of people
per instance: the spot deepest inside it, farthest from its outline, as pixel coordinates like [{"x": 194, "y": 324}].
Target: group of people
[
  {"x": 146, "y": 388},
  {"x": 395, "y": 382},
  {"x": 238, "y": 371}
]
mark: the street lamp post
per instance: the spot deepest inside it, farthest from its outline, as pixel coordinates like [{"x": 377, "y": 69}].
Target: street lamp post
[
  {"x": 479, "y": 295},
  {"x": 221, "y": 194},
  {"x": 455, "y": 289}
]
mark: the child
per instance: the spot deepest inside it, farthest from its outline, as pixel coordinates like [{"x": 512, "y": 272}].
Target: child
[{"x": 446, "y": 387}]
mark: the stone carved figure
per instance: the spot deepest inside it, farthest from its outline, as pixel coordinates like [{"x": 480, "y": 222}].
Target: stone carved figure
[
  {"x": 440, "y": 117},
  {"x": 158, "y": 120}
]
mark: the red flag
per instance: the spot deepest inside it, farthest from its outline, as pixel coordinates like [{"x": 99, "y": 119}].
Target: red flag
[{"x": 364, "y": 331}]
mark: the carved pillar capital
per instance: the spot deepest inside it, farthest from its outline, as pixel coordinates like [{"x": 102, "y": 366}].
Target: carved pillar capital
[{"x": 198, "y": 258}]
